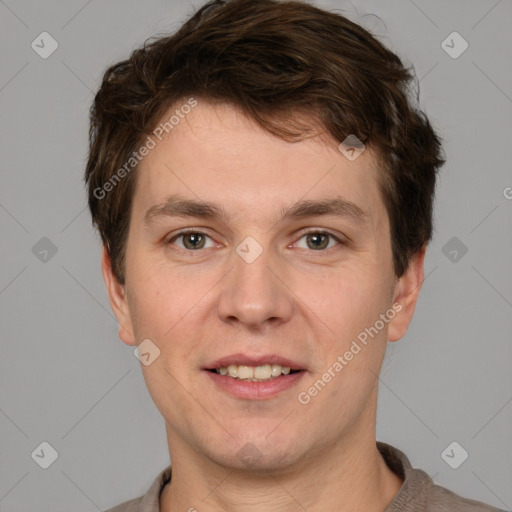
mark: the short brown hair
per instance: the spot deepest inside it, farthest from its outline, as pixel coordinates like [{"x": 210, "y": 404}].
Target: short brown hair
[{"x": 290, "y": 66}]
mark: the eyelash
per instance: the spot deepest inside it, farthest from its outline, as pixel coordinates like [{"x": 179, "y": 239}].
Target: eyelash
[{"x": 302, "y": 235}]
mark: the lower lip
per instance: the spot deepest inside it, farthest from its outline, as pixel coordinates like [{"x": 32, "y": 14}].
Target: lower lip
[{"x": 256, "y": 390}]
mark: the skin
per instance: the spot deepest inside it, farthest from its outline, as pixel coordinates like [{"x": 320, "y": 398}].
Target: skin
[{"x": 304, "y": 303}]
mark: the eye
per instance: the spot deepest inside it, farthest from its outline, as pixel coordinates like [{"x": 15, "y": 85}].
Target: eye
[
  {"x": 319, "y": 240},
  {"x": 192, "y": 240}
]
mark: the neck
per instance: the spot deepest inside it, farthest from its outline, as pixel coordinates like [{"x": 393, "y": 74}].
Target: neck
[{"x": 350, "y": 476}]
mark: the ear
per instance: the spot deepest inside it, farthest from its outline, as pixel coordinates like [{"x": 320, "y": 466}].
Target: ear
[
  {"x": 407, "y": 289},
  {"x": 118, "y": 301}
]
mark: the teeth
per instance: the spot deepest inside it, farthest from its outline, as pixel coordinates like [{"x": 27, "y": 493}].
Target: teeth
[
  {"x": 263, "y": 372},
  {"x": 254, "y": 373},
  {"x": 245, "y": 372},
  {"x": 276, "y": 370}
]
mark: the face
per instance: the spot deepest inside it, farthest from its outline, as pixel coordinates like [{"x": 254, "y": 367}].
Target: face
[{"x": 287, "y": 266}]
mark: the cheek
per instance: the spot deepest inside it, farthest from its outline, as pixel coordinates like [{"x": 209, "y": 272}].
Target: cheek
[
  {"x": 346, "y": 303},
  {"x": 169, "y": 309}
]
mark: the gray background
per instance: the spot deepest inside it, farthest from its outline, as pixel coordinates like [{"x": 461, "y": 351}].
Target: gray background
[{"x": 66, "y": 378}]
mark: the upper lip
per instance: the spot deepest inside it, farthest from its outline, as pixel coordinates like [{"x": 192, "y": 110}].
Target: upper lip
[{"x": 244, "y": 359}]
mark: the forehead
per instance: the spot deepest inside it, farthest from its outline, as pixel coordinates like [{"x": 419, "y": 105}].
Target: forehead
[{"x": 217, "y": 154}]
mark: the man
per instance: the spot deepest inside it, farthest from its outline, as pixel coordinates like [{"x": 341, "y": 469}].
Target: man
[{"x": 263, "y": 189}]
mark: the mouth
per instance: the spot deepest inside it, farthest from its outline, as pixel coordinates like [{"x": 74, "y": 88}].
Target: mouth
[
  {"x": 254, "y": 378},
  {"x": 260, "y": 373}
]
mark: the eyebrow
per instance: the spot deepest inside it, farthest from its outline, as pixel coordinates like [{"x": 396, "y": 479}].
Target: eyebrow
[{"x": 179, "y": 206}]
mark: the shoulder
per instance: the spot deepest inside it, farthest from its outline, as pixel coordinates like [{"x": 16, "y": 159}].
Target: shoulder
[
  {"x": 127, "y": 506},
  {"x": 148, "y": 502},
  {"x": 419, "y": 493},
  {"x": 440, "y": 499}
]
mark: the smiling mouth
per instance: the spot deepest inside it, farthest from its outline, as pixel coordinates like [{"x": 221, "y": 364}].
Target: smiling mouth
[{"x": 254, "y": 373}]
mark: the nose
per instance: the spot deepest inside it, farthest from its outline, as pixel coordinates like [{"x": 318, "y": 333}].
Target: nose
[{"x": 255, "y": 293}]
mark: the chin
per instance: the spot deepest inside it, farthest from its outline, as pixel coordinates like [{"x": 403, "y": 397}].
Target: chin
[
  {"x": 251, "y": 460},
  {"x": 263, "y": 451}
]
